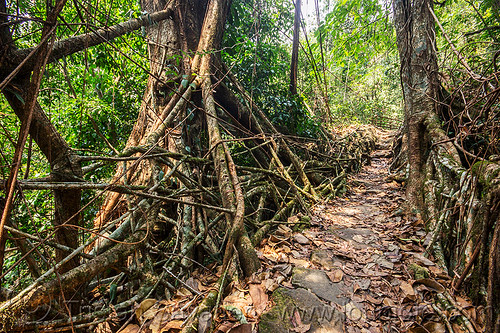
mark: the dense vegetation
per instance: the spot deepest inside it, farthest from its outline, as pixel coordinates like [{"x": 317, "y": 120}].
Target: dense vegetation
[{"x": 348, "y": 72}]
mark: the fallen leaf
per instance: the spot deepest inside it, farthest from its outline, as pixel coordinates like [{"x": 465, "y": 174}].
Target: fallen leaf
[
  {"x": 373, "y": 300},
  {"x": 144, "y": 306},
  {"x": 160, "y": 319},
  {"x": 150, "y": 313},
  {"x": 408, "y": 290},
  {"x": 336, "y": 275},
  {"x": 283, "y": 231},
  {"x": 388, "y": 302},
  {"x": 193, "y": 283},
  {"x": 241, "y": 328},
  {"x": 225, "y": 326},
  {"x": 421, "y": 259},
  {"x": 430, "y": 327},
  {"x": 259, "y": 297},
  {"x": 182, "y": 293},
  {"x": 300, "y": 262},
  {"x": 431, "y": 284},
  {"x": 275, "y": 240},
  {"x": 103, "y": 328},
  {"x": 382, "y": 262},
  {"x": 238, "y": 299},
  {"x": 130, "y": 328},
  {"x": 174, "y": 325},
  {"x": 463, "y": 302}
]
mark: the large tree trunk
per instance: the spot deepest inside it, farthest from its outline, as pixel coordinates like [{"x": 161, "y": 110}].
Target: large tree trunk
[
  {"x": 295, "y": 49},
  {"x": 194, "y": 30},
  {"x": 419, "y": 78}
]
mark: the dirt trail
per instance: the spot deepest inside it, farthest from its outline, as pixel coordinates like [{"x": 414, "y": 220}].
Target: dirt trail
[{"x": 361, "y": 267}]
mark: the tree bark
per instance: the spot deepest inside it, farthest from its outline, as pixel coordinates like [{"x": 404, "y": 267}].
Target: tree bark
[
  {"x": 295, "y": 49},
  {"x": 419, "y": 79}
]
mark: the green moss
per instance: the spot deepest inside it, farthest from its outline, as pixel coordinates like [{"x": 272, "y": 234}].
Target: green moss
[
  {"x": 419, "y": 272},
  {"x": 276, "y": 319},
  {"x": 305, "y": 223},
  {"x": 478, "y": 169}
]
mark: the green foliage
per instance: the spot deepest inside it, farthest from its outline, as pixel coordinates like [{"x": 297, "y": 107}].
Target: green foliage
[
  {"x": 360, "y": 64},
  {"x": 255, "y": 48},
  {"x": 98, "y": 90},
  {"x": 471, "y": 29}
]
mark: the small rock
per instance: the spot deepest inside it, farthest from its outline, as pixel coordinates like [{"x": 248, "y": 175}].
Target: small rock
[
  {"x": 382, "y": 261},
  {"x": 318, "y": 283},
  {"x": 312, "y": 311},
  {"x": 301, "y": 239}
]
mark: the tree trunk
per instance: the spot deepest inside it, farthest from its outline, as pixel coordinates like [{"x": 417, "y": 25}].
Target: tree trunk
[
  {"x": 295, "y": 49},
  {"x": 416, "y": 44}
]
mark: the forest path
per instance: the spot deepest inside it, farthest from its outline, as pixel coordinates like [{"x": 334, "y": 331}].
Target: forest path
[{"x": 361, "y": 267}]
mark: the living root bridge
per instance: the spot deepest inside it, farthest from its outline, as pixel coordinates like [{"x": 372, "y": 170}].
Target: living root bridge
[
  {"x": 256, "y": 184},
  {"x": 202, "y": 174}
]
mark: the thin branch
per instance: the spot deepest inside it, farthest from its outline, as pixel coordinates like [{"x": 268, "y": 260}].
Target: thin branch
[{"x": 78, "y": 43}]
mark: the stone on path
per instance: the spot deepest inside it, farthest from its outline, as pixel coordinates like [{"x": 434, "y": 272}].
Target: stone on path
[
  {"x": 301, "y": 239},
  {"x": 300, "y": 302},
  {"x": 318, "y": 283}
]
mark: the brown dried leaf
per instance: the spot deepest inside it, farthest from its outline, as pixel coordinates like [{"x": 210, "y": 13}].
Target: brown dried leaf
[
  {"x": 241, "y": 328},
  {"x": 373, "y": 300},
  {"x": 224, "y": 327},
  {"x": 421, "y": 259},
  {"x": 239, "y": 300},
  {"x": 463, "y": 302},
  {"x": 103, "y": 328},
  {"x": 431, "y": 284},
  {"x": 130, "y": 328},
  {"x": 408, "y": 290},
  {"x": 283, "y": 231},
  {"x": 336, "y": 275},
  {"x": 430, "y": 327},
  {"x": 259, "y": 297},
  {"x": 172, "y": 326},
  {"x": 388, "y": 302},
  {"x": 144, "y": 306},
  {"x": 159, "y": 320},
  {"x": 182, "y": 293},
  {"x": 193, "y": 283},
  {"x": 275, "y": 240}
]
